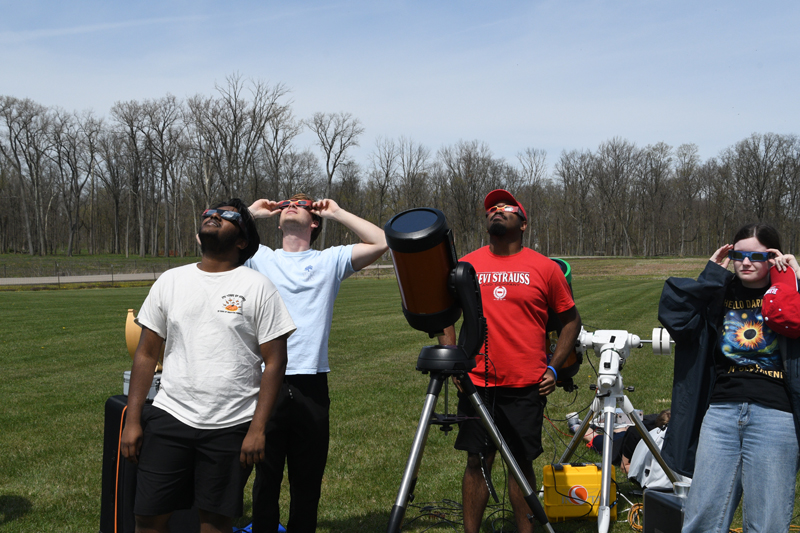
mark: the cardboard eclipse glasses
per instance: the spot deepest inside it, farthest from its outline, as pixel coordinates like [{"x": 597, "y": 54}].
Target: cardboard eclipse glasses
[
  {"x": 305, "y": 204},
  {"x": 231, "y": 216},
  {"x": 505, "y": 208}
]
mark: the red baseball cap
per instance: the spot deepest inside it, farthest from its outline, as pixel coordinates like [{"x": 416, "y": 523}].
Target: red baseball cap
[
  {"x": 502, "y": 195},
  {"x": 781, "y": 305}
]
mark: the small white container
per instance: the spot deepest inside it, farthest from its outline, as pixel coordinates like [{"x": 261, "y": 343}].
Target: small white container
[{"x": 126, "y": 376}]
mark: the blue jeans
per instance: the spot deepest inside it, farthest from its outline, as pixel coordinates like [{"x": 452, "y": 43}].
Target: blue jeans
[{"x": 745, "y": 449}]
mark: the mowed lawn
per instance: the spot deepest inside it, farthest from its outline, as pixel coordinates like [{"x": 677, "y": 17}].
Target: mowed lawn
[{"x": 62, "y": 354}]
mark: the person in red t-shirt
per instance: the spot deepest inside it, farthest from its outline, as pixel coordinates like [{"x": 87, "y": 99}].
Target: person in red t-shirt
[{"x": 518, "y": 286}]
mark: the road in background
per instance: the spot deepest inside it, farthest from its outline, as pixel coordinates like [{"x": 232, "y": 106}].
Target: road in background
[{"x": 114, "y": 278}]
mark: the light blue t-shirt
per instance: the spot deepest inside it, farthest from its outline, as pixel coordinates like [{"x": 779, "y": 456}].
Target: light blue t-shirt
[{"x": 308, "y": 282}]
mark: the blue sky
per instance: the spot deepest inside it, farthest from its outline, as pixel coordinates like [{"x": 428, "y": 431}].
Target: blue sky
[{"x": 555, "y": 75}]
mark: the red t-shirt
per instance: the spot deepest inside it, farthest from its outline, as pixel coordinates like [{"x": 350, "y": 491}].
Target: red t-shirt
[{"x": 516, "y": 291}]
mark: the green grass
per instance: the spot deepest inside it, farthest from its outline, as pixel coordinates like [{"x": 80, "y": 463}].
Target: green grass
[
  {"x": 24, "y": 265},
  {"x": 62, "y": 354}
]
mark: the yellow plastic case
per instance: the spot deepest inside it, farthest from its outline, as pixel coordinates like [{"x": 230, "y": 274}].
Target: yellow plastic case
[{"x": 573, "y": 491}]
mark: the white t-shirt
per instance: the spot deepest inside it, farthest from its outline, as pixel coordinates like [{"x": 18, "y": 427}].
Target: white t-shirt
[
  {"x": 214, "y": 324},
  {"x": 645, "y": 469},
  {"x": 308, "y": 282}
]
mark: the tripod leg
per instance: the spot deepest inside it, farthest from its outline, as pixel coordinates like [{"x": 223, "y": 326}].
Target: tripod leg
[
  {"x": 627, "y": 406},
  {"x": 604, "y": 510},
  {"x": 415, "y": 456},
  {"x": 505, "y": 452},
  {"x": 578, "y": 437}
]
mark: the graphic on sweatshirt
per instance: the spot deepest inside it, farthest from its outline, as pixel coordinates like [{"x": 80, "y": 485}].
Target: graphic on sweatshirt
[{"x": 747, "y": 341}]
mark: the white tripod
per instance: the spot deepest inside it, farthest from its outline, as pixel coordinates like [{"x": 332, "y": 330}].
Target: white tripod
[{"x": 614, "y": 347}]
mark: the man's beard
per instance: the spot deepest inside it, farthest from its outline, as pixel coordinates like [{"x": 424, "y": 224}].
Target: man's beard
[
  {"x": 216, "y": 245},
  {"x": 497, "y": 229}
]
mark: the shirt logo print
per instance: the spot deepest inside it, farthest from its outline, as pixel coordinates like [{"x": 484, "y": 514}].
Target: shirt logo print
[{"x": 232, "y": 303}]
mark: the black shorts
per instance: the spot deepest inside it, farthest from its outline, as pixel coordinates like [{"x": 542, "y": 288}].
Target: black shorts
[
  {"x": 518, "y": 415},
  {"x": 180, "y": 466}
]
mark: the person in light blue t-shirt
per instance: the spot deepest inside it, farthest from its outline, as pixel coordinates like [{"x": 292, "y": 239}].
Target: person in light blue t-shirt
[{"x": 308, "y": 280}]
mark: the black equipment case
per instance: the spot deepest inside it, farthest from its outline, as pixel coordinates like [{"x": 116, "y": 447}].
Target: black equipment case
[{"x": 119, "y": 481}]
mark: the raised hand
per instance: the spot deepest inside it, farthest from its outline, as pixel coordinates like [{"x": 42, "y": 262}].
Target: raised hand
[
  {"x": 325, "y": 208},
  {"x": 720, "y": 257},
  {"x": 783, "y": 261},
  {"x": 264, "y": 208}
]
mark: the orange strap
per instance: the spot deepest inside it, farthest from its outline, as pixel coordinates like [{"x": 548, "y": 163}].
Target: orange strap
[{"x": 119, "y": 453}]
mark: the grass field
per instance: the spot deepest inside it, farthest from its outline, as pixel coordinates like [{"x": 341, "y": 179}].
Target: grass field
[
  {"x": 24, "y": 265},
  {"x": 62, "y": 354}
]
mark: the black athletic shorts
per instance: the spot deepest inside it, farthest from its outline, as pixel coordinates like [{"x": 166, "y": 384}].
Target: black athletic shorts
[
  {"x": 517, "y": 413},
  {"x": 180, "y": 465}
]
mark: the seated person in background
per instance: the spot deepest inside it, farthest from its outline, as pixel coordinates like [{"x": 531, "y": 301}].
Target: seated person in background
[
  {"x": 643, "y": 467},
  {"x": 625, "y": 438}
]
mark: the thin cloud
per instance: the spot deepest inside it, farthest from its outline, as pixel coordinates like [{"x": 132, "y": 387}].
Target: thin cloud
[{"x": 16, "y": 37}]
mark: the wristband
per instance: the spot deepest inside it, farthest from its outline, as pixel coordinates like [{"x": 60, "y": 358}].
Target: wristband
[{"x": 554, "y": 371}]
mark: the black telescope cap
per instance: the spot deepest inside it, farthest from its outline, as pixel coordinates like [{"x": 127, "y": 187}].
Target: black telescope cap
[{"x": 416, "y": 230}]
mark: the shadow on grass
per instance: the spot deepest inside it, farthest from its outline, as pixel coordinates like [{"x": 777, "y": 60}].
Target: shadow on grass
[
  {"x": 368, "y": 522},
  {"x": 13, "y": 507}
]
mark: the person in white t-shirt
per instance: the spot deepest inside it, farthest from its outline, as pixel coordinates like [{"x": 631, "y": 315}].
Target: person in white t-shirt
[
  {"x": 309, "y": 280},
  {"x": 196, "y": 444}
]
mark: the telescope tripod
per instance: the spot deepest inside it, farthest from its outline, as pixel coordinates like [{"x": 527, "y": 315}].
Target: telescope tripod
[
  {"x": 607, "y": 402},
  {"x": 442, "y": 362}
]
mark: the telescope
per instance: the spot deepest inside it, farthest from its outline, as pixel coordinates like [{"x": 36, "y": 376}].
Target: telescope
[
  {"x": 613, "y": 347},
  {"x": 435, "y": 290}
]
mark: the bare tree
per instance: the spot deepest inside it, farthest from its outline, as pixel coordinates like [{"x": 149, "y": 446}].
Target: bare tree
[
  {"x": 27, "y": 142},
  {"x": 651, "y": 192},
  {"x": 111, "y": 171},
  {"x": 575, "y": 169},
  {"x": 348, "y": 193},
  {"x": 278, "y": 136},
  {"x": 754, "y": 164},
  {"x": 382, "y": 175},
  {"x": 233, "y": 126},
  {"x": 91, "y": 129},
  {"x": 336, "y": 134},
  {"x": 300, "y": 171},
  {"x": 533, "y": 174},
  {"x": 616, "y": 165},
  {"x": 413, "y": 185},
  {"x": 163, "y": 131},
  {"x": 130, "y": 116},
  {"x": 66, "y": 142},
  {"x": 686, "y": 187},
  {"x": 790, "y": 201},
  {"x": 11, "y": 146},
  {"x": 467, "y": 166}
]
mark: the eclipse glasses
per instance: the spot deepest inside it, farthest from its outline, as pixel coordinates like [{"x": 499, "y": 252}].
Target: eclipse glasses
[
  {"x": 506, "y": 208},
  {"x": 231, "y": 216},
  {"x": 304, "y": 204},
  {"x": 754, "y": 257}
]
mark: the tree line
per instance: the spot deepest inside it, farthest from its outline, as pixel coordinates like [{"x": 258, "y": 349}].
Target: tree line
[{"x": 135, "y": 181}]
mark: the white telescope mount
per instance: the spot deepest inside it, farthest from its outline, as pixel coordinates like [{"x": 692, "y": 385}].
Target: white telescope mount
[{"x": 613, "y": 348}]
